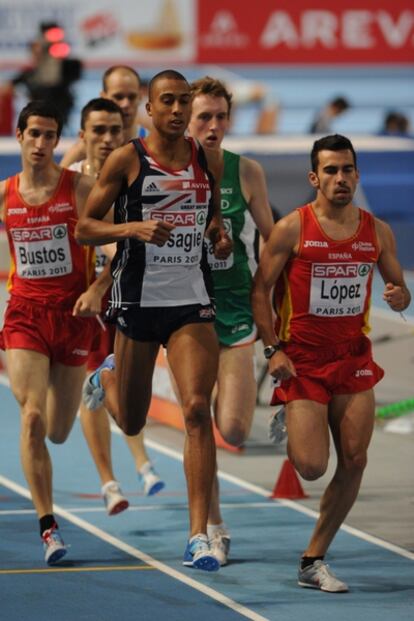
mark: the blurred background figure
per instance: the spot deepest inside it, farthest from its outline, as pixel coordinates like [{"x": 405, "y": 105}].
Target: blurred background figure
[
  {"x": 395, "y": 124},
  {"x": 322, "y": 124},
  {"x": 256, "y": 98},
  {"x": 52, "y": 72}
]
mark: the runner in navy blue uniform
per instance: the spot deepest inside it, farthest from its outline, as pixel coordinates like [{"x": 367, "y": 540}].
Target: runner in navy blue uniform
[{"x": 165, "y": 201}]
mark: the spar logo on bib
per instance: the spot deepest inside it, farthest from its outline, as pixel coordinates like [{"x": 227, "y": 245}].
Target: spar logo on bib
[{"x": 339, "y": 289}]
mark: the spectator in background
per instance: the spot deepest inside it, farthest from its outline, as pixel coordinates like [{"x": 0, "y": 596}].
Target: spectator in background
[
  {"x": 322, "y": 124},
  {"x": 395, "y": 124},
  {"x": 252, "y": 94},
  {"x": 51, "y": 73}
]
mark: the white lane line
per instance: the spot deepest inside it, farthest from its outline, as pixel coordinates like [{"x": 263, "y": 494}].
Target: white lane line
[
  {"x": 159, "y": 507},
  {"x": 142, "y": 556}
]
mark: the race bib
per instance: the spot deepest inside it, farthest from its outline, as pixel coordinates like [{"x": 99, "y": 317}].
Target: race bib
[
  {"x": 220, "y": 264},
  {"x": 42, "y": 252},
  {"x": 186, "y": 241},
  {"x": 339, "y": 289}
]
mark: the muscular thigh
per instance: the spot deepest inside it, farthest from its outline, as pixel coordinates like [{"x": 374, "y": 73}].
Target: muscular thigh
[
  {"x": 307, "y": 425},
  {"x": 193, "y": 358},
  {"x": 28, "y": 373},
  {"x": 351, "y": 418}
]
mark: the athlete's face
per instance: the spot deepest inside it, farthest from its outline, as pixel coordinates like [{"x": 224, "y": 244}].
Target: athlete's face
[
  {"x": 209, "y": 120},
  {"x": 124, "y": 89},
  {"x": 336, "y": 178},
  {"x": 170, "y": 106},
  {"x": 38, "y": 140},
  {"x": 102, "y": 134}
]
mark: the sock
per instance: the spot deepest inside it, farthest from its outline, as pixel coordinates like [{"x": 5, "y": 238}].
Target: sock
[
  {"x": 306, "y": 561},
  {"x": 46, "y": 522},
  {"x": 213, "y": 528},
  {"x": 202, "y": 535},
  {"x": 145, "y": 469},
  {"x": 106, "y": 485}
]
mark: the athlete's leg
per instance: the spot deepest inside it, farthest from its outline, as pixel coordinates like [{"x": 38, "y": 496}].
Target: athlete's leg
[
  {"x": 128, "y": 389},
  {"x": 97, "y": 431},
  {"x": 63, "y": 399},
  {"x": 351, "y": 419},
  {"x": 193, "y": 357},
  {"x": 234, "y": 405},
  {"x": 29, "y": 376},
  {"x": 308, "y": 437}
]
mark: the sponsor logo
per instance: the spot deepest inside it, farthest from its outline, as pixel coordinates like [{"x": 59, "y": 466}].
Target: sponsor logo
[
  {"x": 363, "y": 246},
  {"x": 176, "y": 217},
  {"x": 152, "y": 187},
  {"x": 60, "y": 207},
  {"x": 314, "y": 243},
  {"x": 39, "y": 234},
  {"x": 224, "y": 32},
  {"x": 341, "y": 256},
  {"x": 80, "y": 352},
  {"x": 340, "y": 270},
  {"x": 195, "y": 185},
  {"x": 363, "y": 373},
  {"x": 15, "y": 211},
  {"x": 226, "y": 190},
  {"x": 207, "y": 313}
]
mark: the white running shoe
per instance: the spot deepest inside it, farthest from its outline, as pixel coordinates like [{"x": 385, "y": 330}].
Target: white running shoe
[
  {"x": 277, "y": 426},
  {"x": 320, "y": 576},
  {"x": 219, "y": 542},
  {"x": 114, "y": 499}
]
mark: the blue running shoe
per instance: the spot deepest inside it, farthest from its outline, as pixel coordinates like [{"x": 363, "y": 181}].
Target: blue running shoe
[
  {"x": 92, "y": 392},
  {"x": 150, "y": 480},
  {"x": 53, "y": 546},
  {"x": 198, "y": 554}
]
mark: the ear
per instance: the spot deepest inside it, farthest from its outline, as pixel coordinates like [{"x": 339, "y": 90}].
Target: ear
[
  {"x": 19, "y": 135},
  {"x": 313, "y": 179},
  {"x": 81, "y": 134},
  {"x": 148, "y": 108}
]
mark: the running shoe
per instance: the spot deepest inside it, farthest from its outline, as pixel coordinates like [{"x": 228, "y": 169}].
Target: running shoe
[
  {"x": 198, "y": 554},
  {"x": 53, "y": 545},
  {"x": 219, "y": 542},
  {"x": 320, "y": 576},
  {"x": 114, "y": 499},
  {"x": 277, "y": 426},
  {"x": 92, "y": 392},
  {"x": 150, "y": 480}
]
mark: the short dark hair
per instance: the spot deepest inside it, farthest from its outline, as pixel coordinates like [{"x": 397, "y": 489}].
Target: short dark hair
[
  {"x": 335, "y": 142},
  {"x": 213, "y": 87},
  {"x": 114, "y": 68},
  {"x": 167, "y": 74},
  {"x": 97, "y": 105},
  {"x": 340, "y": 103},
  {"x": 40, "y": 107}
]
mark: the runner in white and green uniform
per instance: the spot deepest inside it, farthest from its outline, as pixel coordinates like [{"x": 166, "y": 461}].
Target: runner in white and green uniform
[{"x": 244, "y": 207}]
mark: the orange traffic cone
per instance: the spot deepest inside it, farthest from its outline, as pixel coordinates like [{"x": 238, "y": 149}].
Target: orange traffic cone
[{"x": 288, "y": 484}]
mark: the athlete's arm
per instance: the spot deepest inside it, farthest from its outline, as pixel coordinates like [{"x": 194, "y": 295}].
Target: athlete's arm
[
  {"x": 253, "y": 185},
  {"x": 75, "y": 153},
  {"x": 396, "y": 293},
  {"x": 120, "y": 168},
  {"x": 89, "y": 303},
  {"x": 281, "y": 244}
]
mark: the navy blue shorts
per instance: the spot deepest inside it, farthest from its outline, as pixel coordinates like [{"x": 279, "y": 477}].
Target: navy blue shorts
[{"x": 157, "y": 324}]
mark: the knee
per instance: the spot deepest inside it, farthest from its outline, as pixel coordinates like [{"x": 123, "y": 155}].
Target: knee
[
  {"x": 196, "y": 413},
  {"x": 33, "y": 426},
  {"x": 311, "y": 470},
  {"x": 234, "y": 433},
  {"x": 354, "y": 463}
]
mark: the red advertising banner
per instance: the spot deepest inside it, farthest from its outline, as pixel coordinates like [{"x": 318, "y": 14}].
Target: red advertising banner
[{"x": 306, "y": 31}]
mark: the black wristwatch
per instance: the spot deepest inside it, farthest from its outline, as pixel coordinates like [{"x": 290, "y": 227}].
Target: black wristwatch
[{"x": 270, "y": 350}]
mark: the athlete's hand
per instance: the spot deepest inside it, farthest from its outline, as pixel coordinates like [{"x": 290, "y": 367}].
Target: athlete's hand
[
  {"x": 395, "y": 297},
  {"x": 153, "y": 231},
  {"x": 281, "y": 367},
  {"x": 88, "y": 304},
  {"x": 222, "y": 244}
]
